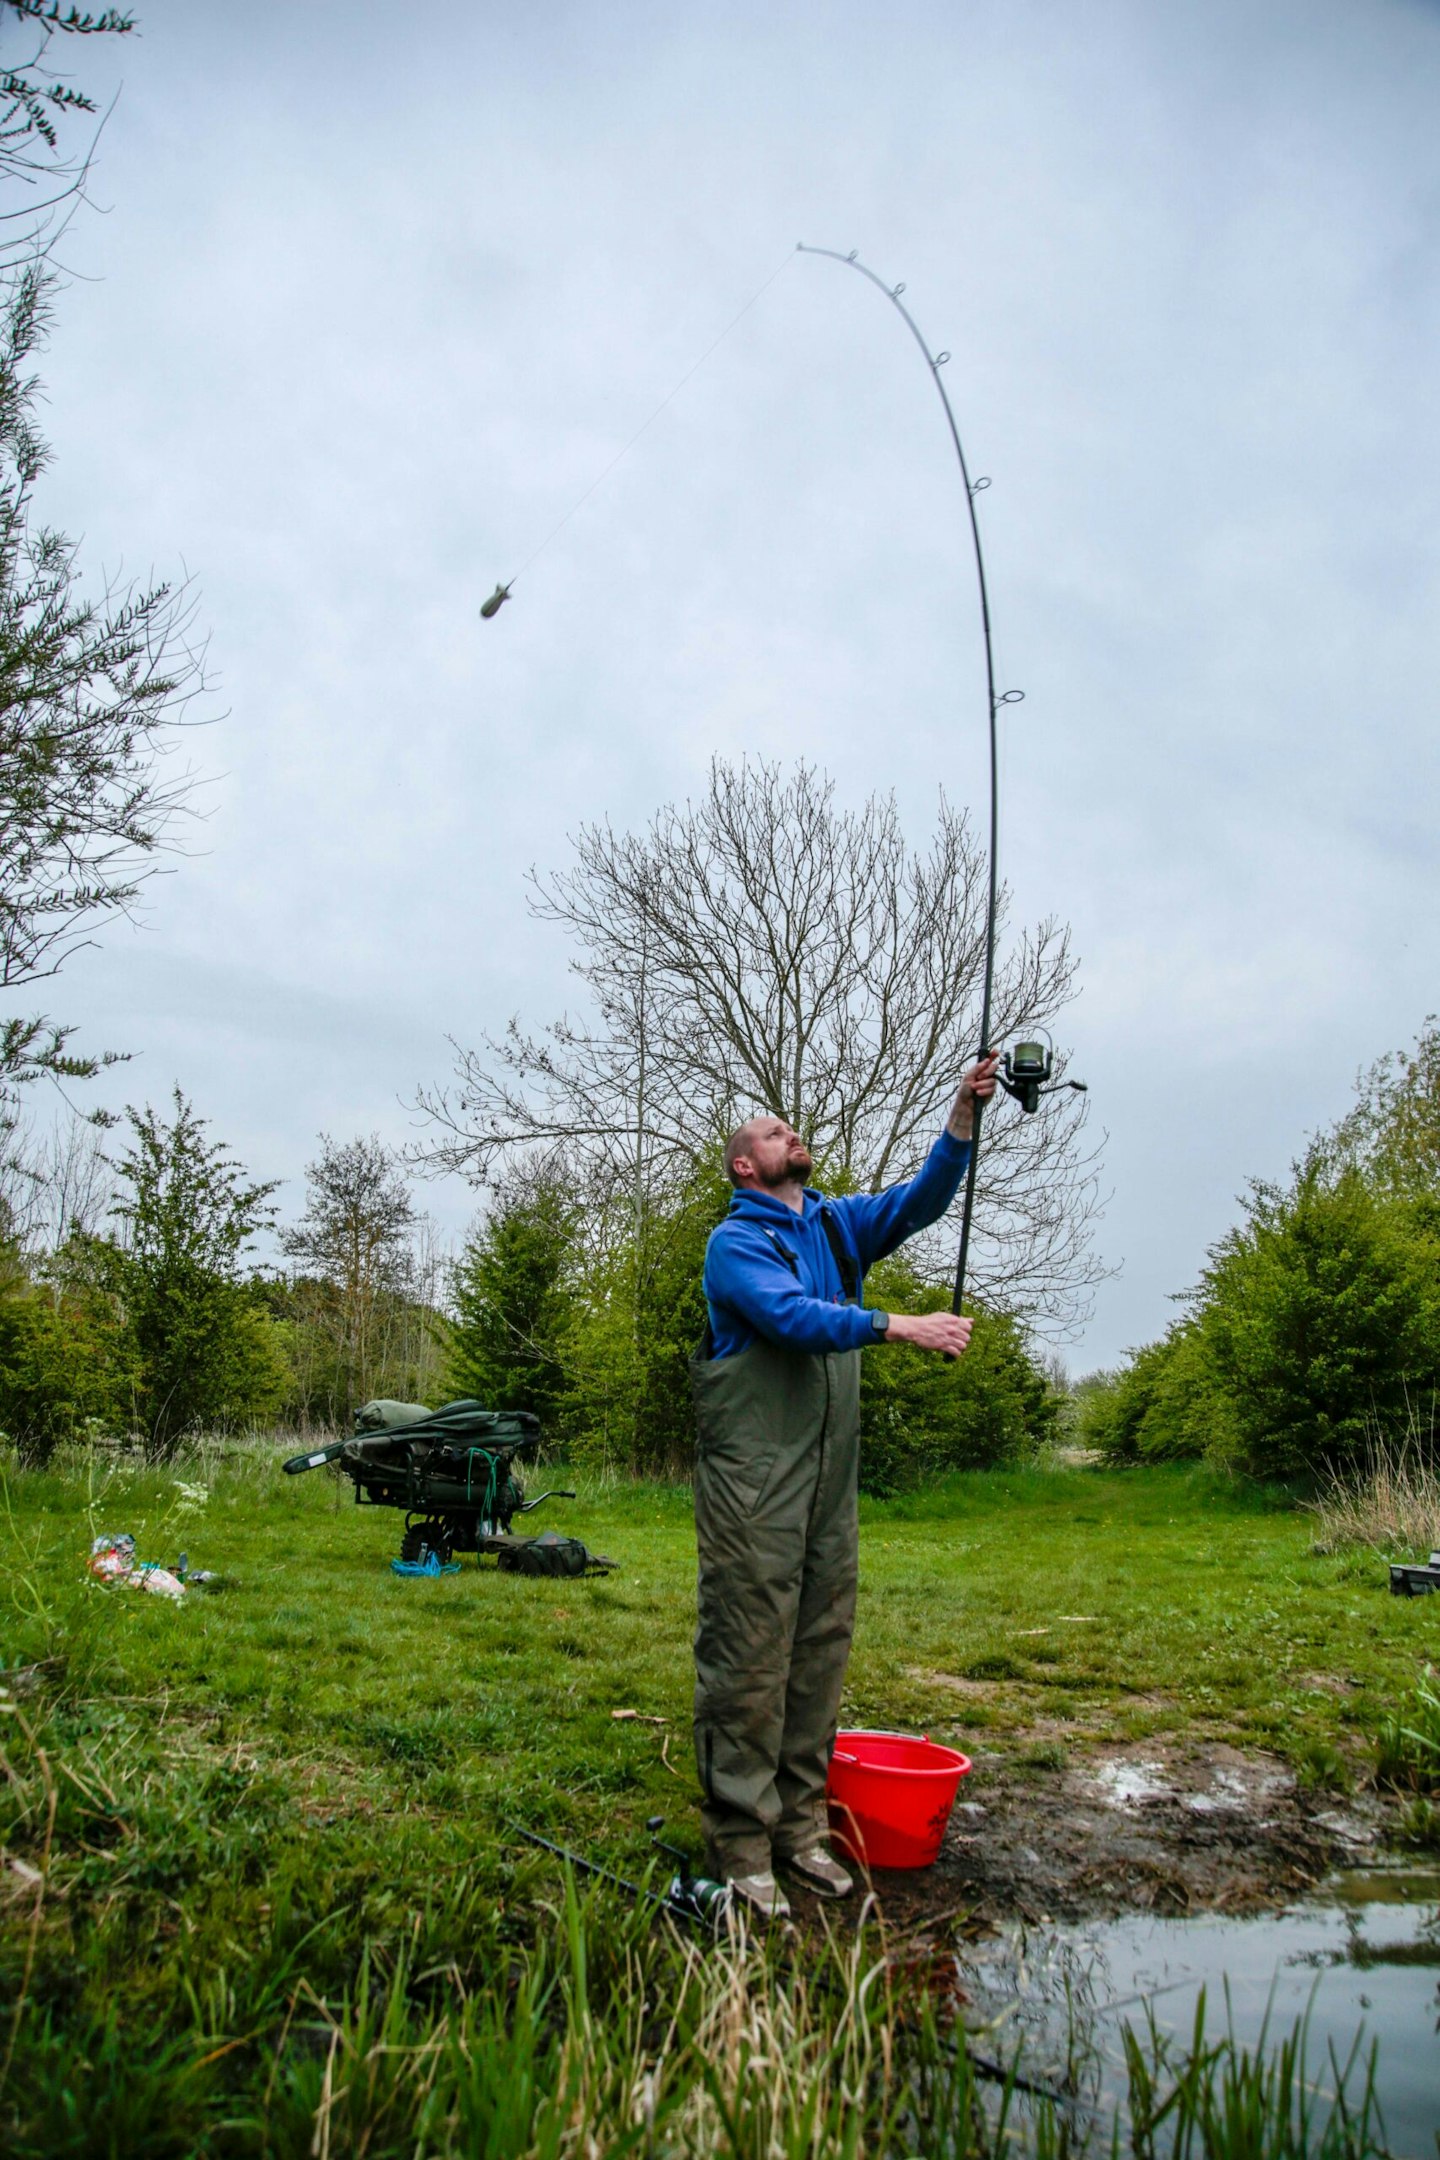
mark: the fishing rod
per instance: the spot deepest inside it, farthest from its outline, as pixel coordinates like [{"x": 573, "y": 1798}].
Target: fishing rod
[
  {"x": 1028, "y": 1067},
  {"x": 692, "y": 1898},
  {"x": 708, "y": 1907}
]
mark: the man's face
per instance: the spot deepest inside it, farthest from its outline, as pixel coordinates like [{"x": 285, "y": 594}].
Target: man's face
[{"x": 775, "y": 1153}]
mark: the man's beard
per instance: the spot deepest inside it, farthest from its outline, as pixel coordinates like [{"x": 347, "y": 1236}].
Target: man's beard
[{"x": 799, "y": 1165}]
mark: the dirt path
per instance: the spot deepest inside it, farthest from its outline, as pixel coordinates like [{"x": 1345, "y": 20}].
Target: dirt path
[{"x": 1165, "y": 1828}]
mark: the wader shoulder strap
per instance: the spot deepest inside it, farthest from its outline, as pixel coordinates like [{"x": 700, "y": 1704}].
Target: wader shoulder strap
[
  {"x": 845, "y": 1259},
  {"x": 707, "y": 1341}
]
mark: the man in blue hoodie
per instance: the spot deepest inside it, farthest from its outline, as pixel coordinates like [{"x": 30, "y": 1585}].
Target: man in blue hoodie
[{"x": 777, "y": 1411}]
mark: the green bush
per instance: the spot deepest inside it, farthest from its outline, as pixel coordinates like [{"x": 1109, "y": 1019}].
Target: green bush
[
  {"x": 1317, "y": 1317},
  {"x": 1166, "y": 1405},
  {"x": 639, "y": 1320},
  {"x": 151, "y": 1330},
  {"x": 920, "y": 1415},
  {"x": 1111, "y": 1410},
  {"x": 67, "y": 1365},
  {"x": 1316, "y": 1321},
  {"x": 1085, "y": 1411}
]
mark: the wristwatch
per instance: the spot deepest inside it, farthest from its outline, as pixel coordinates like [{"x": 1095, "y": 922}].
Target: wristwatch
[{"x": 880, "y": 1321}]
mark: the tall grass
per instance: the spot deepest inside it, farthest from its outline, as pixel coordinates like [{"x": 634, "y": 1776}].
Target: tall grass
[
  {"x": 1407, "y": 1748},
  {"x": 150, "y": 2010},
  {"x": 597, "y": 2040},
  {"x": 1218, "y": 2098},
  {"x": 1389, "y": 1500}
]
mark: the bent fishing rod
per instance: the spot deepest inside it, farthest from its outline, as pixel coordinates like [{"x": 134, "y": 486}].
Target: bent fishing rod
[{"x": 1028, "y": 1067}]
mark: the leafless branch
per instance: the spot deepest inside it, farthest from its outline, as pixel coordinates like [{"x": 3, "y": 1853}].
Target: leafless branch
[{"x": 763, "y": 950}]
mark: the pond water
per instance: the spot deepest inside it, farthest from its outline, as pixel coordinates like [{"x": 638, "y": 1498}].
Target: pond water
[{"x": 1361, "y": 1957}]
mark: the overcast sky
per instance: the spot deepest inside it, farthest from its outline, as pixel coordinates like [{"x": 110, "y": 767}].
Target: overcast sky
[{"x": 374, "y": 299}]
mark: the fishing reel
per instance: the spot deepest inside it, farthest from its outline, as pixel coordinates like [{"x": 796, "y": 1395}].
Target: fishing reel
[
  {"x": 1025, "y": 1071},
  {"x": 689, "y": 1896}
]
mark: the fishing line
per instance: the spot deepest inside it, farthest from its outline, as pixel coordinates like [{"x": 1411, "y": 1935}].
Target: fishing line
[{"x": 501, "y": 592}]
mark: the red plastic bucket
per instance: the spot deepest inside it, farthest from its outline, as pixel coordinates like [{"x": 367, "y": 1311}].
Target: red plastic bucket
[{"x": 890, "y": 1796}]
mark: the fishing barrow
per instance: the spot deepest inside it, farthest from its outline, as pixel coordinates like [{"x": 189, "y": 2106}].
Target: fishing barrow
[{"x": 453, "y": 1472}]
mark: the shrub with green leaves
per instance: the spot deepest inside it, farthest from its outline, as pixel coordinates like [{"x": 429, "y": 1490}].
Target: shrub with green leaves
[
  {"x": 1316, "y": 1322},
  {"x": 1318, "y": 1316},
  {"x": 639, "y": 1320},
  {"x": 151, "y": 1330},
  {"x": 67, "y": 1361},
  {"x": 922, "y": 1415},
  {"x": 1166, "y": 1405}
]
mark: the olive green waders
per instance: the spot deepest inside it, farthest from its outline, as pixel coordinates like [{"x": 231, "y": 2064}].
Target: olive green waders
[{"x": 776, "y": 1523}]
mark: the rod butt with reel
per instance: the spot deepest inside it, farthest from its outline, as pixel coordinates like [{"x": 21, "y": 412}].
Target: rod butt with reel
[{"x": 694, "y": 1899}]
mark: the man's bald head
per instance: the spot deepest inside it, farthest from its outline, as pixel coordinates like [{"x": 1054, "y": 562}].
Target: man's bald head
[
  {"x": 738, "y": 1144},
  {"x": 767, "y": 1152}
]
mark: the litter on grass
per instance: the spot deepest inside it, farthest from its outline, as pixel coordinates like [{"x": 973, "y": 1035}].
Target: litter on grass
[{"x": 112, "y": 1560}]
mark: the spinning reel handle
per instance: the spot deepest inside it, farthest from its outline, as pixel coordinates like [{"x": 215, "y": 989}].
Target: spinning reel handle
[{"x": 1026, "y": 1071}]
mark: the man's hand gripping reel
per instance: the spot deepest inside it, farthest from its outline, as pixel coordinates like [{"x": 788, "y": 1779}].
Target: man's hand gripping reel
[{"x": 1025, "y": 1074}]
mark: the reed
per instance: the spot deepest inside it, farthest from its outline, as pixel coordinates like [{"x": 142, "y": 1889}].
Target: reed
[
  {"x": 1407, "y": 1747},
  {"x": 1390, "y": 1500}
]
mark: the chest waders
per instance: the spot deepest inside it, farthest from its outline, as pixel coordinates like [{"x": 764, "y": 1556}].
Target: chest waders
[{"x": 777, "y": 1529}]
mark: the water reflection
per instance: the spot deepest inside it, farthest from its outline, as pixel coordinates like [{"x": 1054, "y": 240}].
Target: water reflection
[{"x": 1361, "y": 1961}]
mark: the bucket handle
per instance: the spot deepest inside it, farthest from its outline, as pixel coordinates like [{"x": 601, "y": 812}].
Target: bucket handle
[
  {"x": 875, "y": 1732},
  {"x": 887, "y": 1732},
  {"x": 842, "y": 1755}
]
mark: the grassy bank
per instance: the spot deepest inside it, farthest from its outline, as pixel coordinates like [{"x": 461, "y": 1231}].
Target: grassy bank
[{"x": 240, "y": 1822}]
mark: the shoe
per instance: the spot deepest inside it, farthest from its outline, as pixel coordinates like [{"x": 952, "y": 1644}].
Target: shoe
[
  {"x": 762, "y": 1893},
  {"x": 818, "y": 1872}
]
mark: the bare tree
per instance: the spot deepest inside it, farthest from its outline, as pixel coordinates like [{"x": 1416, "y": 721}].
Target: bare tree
[
  {"x": 54, "y": 1184},
  {"x": 762, "y": 949},
  {"x": 357, "y": 1243}
]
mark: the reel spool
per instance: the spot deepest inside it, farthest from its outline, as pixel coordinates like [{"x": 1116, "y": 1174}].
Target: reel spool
[{"x": 1026, "y": 1070}]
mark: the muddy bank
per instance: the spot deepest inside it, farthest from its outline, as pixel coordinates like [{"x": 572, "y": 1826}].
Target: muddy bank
[{"x": 1163, "y": 1828}]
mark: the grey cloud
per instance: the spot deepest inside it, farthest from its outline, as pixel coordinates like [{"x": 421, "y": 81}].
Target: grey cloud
[{"x": 377, "y": 302}]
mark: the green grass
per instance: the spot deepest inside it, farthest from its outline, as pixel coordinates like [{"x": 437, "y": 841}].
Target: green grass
[
  {"x": 266, "y": 1818},
  {"x": 1408, "y": 1748},
  {"x": 1136, "y": 1604}
]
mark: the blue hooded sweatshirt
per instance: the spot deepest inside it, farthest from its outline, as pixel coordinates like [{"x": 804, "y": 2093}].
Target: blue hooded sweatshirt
[{"x": 753, "y": 1290}]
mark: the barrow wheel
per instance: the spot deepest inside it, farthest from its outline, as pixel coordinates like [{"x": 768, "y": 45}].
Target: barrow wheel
[{"x": 421, "y": 1534}]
